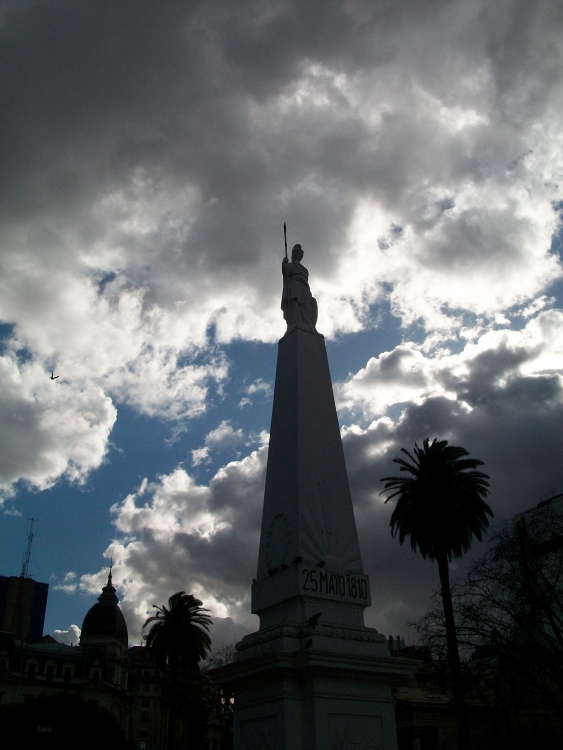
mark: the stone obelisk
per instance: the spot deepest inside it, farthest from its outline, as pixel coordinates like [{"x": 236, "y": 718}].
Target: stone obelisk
[{"x": 313, "y": 677}]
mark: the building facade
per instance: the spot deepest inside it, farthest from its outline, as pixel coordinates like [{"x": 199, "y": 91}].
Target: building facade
[
  {"x": 23, "y": 602},
  {"x": 102, "y": 668}
]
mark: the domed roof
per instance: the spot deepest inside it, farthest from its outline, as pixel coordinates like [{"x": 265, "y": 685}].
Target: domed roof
[{"x": 105, "y": 619}]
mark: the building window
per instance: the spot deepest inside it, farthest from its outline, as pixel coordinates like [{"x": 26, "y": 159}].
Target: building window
[
  {"x": 144, "y": 732},
  {"x": 145, "y": 702},
  {"x": 144, "y": 715},
  {"x": 68, "y": 674},
  {"x": 95, "y": 677},
  {"x": 142, "y": 746},
  {"x": 50, "y": 673},
  {"x": 31, "y": 669}
]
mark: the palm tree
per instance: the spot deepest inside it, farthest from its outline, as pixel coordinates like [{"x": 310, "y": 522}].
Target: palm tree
[
  {"x": 440, "y": 507},
  {"x": 179, "y": 639}
]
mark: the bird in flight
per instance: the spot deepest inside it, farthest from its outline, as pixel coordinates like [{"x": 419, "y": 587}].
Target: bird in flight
[{"x": 53, "y": 376}]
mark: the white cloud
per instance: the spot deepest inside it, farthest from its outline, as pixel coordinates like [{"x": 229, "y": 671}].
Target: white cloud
[
  {"x": 415, "y": 152},
  {"x": 259, "y": 386},
  {"x": 50, "y": 428},
  {"x": 344, "y": 139},
  {"x": 417, "y": 161},
  {"x": 70, "y": 637},
  {"x": 55, "y": 428},
  {"x": 501, "y": 397},
  {"x": 409, "y": 375},
  {"x": 189, "y": 537},
  {"x": 68, "y": 584},
  {"x": 199, "y": 455},
  {"x": 222, "y": 437}
]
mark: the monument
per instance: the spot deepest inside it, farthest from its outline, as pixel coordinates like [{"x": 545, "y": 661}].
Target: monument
[{"x": 313, "y": 677}]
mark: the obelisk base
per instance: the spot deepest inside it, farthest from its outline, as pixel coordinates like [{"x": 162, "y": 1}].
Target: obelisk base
[{"x": 323, "y": 688}]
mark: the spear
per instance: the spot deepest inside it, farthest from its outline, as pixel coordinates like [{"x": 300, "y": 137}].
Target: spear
[{"x": 285, "y": 240}]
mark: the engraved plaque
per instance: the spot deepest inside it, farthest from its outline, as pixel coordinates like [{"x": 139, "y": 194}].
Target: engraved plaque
[
  {"x": 344, "y": 587},
  {"x": 353, "y": 732},
  {"x": 258, "y": 734}
]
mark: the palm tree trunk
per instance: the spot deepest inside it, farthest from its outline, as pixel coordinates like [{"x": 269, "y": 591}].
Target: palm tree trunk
[
  {"x": 462, "y": 720},
  {"x": 173, "y": 698}
]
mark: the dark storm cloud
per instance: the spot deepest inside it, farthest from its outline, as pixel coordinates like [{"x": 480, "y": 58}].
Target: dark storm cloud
[
  {"x": 151, "y": 152},
  {"x": 514, "y": 431},
  {"x": 209, "y": 535},
  {"x": 180, "y": 535},
  {"x": 216, "y": 122},
  {"x": 94, "y": 91},
  {"x": 504, "y": 405}
]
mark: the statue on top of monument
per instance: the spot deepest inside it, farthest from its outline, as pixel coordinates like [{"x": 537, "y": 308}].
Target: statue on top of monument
[{"x": 298, "y": 304}]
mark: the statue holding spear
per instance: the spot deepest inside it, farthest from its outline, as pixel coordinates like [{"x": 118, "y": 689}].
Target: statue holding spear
[{"x": 298, "y": 304}]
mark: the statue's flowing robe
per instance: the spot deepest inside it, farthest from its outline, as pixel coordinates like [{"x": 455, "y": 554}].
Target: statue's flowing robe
[{"x": 298, "y": 304}]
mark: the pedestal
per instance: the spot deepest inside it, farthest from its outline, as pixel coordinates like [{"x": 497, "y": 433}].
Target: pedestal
[{"x": 323, "y": 688}]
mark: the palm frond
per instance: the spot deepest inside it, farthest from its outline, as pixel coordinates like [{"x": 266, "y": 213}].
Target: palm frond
[
  {"x": 440, "y": 507},
  {"x": 178, "y": 633}
]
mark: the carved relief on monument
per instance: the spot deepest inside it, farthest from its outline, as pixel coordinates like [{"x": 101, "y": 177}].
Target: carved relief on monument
[
  {"x": 258, "y": 734},
  {"x": 324, "y": 537},
  {"x": 350, "y": 732},
  {"x": 278, "y": 541}
]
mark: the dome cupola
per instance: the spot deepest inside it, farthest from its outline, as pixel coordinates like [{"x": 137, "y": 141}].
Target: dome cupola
[{"x": 104, "y": 621}]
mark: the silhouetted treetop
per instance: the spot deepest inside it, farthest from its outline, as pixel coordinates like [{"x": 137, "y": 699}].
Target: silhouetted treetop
[{"x": 440, "y": 505}]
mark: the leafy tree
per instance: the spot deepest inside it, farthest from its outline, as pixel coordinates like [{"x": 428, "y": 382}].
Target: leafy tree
[
  {"x": 509, "y": 615},
  {"x": 221, "y": 657},
  {"x": 440, "y": 507},
  {"x": 179, "y": 640},
  {"x": 221, "y": 710}
]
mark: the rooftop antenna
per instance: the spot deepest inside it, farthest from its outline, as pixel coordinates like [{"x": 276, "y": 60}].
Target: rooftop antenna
[
  {"x": 17, "y": 623},
  {"x": 27, "y": 555}
]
